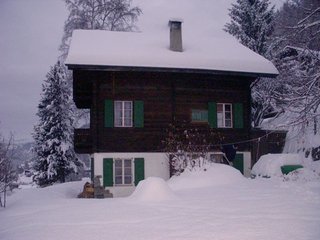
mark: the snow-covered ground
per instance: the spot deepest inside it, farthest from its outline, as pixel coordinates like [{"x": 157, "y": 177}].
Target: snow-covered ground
[{"x": 215, "y": 204}]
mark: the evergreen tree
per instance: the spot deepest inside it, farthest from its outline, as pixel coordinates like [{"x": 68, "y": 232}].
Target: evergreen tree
[
  {"x": 251, "y": 23},
  {"x": 54, "y": 154}
]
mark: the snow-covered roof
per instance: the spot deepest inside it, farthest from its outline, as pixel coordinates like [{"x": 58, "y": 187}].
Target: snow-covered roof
[{"x": 205, "y": 45}]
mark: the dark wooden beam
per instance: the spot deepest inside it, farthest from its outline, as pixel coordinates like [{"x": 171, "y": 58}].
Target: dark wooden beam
[{"x": 167, "y": 70}]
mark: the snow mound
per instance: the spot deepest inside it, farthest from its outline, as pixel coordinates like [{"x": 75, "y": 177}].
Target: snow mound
[
  {"x": 68, "y": 190},
  {"x": 213, "y": 175},
  {"x": 302, "y": 175},
  {"x": 153, "y": 189},
  {"x": 25, "y": 198},
  {"x": 270, "y": 165},
  {"x": 315, "y": 166}
]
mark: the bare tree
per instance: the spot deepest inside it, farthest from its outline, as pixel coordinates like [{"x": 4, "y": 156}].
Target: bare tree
[
  {"x": 112, "y": 15},
  {"x": 298, "y": 24},
  {"x": 188, "y": 148},
  {"x": 7, "y": 174},
  {"x": 298, "y": 60}
]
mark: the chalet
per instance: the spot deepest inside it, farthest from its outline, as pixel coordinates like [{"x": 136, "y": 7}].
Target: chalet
[{"x": 138, "y": 83}]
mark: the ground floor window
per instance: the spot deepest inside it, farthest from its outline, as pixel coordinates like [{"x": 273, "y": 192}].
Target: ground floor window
[
  {"x": 123, "y": 172},
  {"x": 216, "y": 157}
]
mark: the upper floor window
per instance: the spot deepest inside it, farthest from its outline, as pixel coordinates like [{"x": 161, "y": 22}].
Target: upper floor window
[
  {"x": 199, "y": 116},
  {"x": 123, "y": 113},
  {"x": 224, "y": 115}
]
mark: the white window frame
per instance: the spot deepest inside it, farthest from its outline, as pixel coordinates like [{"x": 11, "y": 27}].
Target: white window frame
[
  {"x": 219, "y": 156},
  {"x": 123, "y": 123},
  {"x": 123, "y": 172},
  {"x": 224, "y": 115}
]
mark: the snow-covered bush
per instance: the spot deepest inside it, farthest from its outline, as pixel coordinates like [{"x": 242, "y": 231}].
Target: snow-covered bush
[{"x": 187, "y": 148}]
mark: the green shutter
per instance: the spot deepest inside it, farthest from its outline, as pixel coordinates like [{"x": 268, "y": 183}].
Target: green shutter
[
  {"x": 212, "y": 114},
  {"x": 138, "y": 114},
  {"x": 92, "y": 169},
  {"x": 108, "y": 113},
  {"x": 238, "y": 162},
  {"x": 107, "y": 172},
  {"x": 238, "y": 115},
  {"x": 138, "y": 170}
]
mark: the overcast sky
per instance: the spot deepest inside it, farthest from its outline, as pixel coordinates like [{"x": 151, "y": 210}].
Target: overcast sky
[{"x": 31, "y": 31}]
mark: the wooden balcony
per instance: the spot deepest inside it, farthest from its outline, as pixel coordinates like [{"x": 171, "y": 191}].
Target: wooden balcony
[{"x": 83, "y": 141}]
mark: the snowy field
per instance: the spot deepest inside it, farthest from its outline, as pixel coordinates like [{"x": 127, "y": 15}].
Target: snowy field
[{"x": 216, "y": 204}]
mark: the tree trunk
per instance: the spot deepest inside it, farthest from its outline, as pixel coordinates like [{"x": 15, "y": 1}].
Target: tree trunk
[{"x": 5, "y": 190}]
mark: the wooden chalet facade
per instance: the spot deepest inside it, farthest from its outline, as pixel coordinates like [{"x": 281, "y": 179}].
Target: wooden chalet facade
[
  {"x": 132, "y": 106},
  {"x": 158, "y": 99}
]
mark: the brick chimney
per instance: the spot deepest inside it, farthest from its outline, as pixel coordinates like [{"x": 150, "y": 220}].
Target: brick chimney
[{"x": 175, "y": 35}]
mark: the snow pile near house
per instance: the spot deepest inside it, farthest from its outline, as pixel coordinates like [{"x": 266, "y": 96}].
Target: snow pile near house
[
  {"x": 214, "y": 175},
  {"x": 270, "y": 165},
  {"x": 153, "y": 189},
  {"x": 68, "y": 190}
]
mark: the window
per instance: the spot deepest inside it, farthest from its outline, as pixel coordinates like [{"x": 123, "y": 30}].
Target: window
[
  {"x": 123, "y": 114},
  {"x": 224, "y": 115},
  {"x": 123, "y": 171},
  {"x": 199, "y": 115},
  {"x": 216, "y": 157}
]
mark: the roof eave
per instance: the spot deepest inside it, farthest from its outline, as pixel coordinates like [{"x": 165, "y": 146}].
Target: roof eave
[{"x": 172, "y": 70}]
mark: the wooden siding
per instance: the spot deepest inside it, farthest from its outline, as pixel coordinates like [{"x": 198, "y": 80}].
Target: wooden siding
[
  {"x": 167, "y": 97},
  {"x": 83, "y": 141}
]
